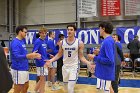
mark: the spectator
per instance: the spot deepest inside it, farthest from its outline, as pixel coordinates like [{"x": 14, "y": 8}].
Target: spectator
[
  {"x": 53, "y": 66},
  {"x": 134, "y": 47}
]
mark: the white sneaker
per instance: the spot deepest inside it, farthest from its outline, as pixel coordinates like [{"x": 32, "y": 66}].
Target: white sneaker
[{"x": 54, "y": 87}]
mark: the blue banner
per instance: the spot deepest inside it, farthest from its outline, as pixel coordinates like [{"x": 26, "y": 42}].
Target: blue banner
[
  {"x": 127, "y": 33},
  {"x": 88, "y": 36}
]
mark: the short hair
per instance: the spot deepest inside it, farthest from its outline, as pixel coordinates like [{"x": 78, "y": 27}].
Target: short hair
[
  {"x": 50, "y": 33},
  {"x": 119, "y": 37},
  {"x": 108, "y": 26},
  {"x": 60, "y": 35},
  {"x": 20, "y": 28},
  {"x": 37, "y": 35},
  {"x": 42, "y": 29},
  {"x": 75, "y": 28}
]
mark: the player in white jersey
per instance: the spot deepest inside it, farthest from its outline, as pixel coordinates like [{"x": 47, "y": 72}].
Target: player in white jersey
[{"x": 72, "y": 51}]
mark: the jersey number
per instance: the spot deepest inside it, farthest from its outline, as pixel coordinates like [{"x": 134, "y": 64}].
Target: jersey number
[{"x": 69, "y": 53}]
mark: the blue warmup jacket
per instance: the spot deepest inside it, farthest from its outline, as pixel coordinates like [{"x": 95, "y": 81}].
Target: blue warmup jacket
[
  {"x": 41, "y": 47},
  {"x": 51, "y": 45},
  {"x": 18, "y": 55},
  {"x": 105, "y": 61}
]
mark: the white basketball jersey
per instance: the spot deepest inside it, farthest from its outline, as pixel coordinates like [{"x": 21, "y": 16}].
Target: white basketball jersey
[{"x": 70, "y": 53}]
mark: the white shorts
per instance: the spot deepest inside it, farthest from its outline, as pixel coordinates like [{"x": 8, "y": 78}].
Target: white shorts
[
  {"x": 103, "y": 84},
  {"x": 53, "y": 64},
  {"x": 42, "y": 71},
  {"x": 20, "y": 77},
  {"x": 69, "y": 74}
]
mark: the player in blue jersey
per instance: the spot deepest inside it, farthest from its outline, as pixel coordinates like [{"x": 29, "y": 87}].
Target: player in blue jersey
[
  {"x": 72, "y": 51},
  {"x": 59, "y": 61},
  {"x": 53, "y": 66},
  {"x": 105, "y": 61},
  {"x": 41, "y": 47},
  {"x": 19, "y": 58}
]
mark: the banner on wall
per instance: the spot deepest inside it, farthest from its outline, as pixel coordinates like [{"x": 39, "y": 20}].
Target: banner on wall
[
  {"x": 110, "y": 7},
  {"x": 89, "y": 36},
  {"x": 132, "y": 7},
  {"x": 127, "y": 33},
  {"x": 87, "y": 8}
]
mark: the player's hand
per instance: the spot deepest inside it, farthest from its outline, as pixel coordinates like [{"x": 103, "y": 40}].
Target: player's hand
[
  {"x": 49, "y": 50},
  {"x": 33, "y": 55},
  {"x": 51, "y": 56},
  {"x": 37, "y": 55},
  {"x": 90, "y": 56},
  {"x": 91, "y": 66}
]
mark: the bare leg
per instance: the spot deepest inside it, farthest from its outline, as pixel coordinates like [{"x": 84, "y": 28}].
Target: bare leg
[
  {"x": 18, "y": 88},
  {"x": 53, "y": 71},
  {"x": 37, "y": 86},
  {"x": 42, "y": 84},
  {"x": 25, "y": 87},
  {"x": 49, "y": 74}
]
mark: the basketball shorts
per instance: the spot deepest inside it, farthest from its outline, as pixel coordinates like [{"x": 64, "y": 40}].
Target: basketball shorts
[
  {"x": 42, "y": 71},
  {"x": 69, "y": 73},
  {"x": 20, "y": 77},
  {"x": 53, "y": 65}
]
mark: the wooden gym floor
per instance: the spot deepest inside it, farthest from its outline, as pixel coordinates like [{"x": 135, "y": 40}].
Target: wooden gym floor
[
  {"x": 81, "y": 88},
  {"x": 85, "y": 88}
]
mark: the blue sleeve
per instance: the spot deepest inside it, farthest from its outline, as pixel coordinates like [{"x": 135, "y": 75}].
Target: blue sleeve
[
  {"x": 109, "y": 55},
  {"x": 16, "y": 52},
  {"x": 36, "y": 46},
  {"x": 51, "y": 45}
]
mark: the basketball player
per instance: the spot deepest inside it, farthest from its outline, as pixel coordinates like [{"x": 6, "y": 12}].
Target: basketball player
[
  {"x": 41, "y": 47},
  {"x": 53, "y": 66},
  {"x": 72, "y": 50},
  {"x": 105, "y": 61},
  {"x": 19, "y": 58}
]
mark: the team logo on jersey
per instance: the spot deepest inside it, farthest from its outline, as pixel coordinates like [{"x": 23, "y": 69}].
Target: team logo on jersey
[
  {"x": 70, "y": 49},
  {"x": 44, "y": 45},
  {"x": 24, "y": 46}
]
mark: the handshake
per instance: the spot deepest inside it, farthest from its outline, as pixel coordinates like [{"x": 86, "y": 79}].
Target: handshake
[{"x": 33, "y": 55}]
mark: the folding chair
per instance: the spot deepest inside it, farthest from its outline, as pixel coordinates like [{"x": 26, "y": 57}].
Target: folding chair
[
  {"x": 136, "y": 65},
  {"x": 128, "y": 67}
]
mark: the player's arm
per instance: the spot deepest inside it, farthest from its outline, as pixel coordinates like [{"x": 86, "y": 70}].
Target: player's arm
[
  {"x": 81, "y": 55},
  {"x": 58, "y": 55},
  {"x": 109, "y": 52}
]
